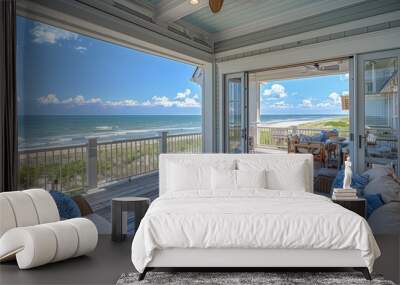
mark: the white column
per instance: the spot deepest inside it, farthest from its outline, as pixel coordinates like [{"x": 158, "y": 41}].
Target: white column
[
  {"x": 208, "y": 108},
  {"x": 254, "y": 107}
]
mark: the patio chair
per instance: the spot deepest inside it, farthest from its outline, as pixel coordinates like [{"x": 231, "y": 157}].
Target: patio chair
[{"x": 317, "y": 149}]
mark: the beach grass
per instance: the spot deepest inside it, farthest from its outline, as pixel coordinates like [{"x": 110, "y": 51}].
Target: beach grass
[
  {"x": 115, "y": 160},
  {"x": 277, "y": 136},
  {"x": 340, "y": 124}
]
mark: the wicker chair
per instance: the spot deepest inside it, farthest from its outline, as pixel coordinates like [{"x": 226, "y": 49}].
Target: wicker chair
[{"x": 315, "y": 148}]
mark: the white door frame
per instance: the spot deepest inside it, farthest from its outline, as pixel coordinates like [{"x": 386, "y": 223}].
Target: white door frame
[
  {"x": 244, "y": 109},
  {"x": 353, "y": 109},
  {"x": 359, "y": 135}
]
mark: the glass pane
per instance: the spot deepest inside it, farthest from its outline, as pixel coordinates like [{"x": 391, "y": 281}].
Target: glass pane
[
  {"x": 81, "y": 97},
  {"x": 234, "y": 115},
  {"x": 381, "y": 111}
]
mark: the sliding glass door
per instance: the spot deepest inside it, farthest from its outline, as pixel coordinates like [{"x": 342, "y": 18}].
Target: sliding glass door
[
  {"x": 378, "y": 106},
  {"x": 235, "y": 113}
]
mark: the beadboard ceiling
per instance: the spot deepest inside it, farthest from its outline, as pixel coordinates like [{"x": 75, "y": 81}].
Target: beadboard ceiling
[
  {"x": 240, "y": 18},
  {"x": 240, "y": 23}
]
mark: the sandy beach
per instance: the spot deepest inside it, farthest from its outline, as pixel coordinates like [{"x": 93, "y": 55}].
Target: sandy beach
[
  {"x": 287, "y": 124},
  {"x": 292, "y": 123}
]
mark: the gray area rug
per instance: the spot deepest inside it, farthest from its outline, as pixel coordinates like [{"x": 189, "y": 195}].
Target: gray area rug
[{"x": 229, "y": 278}]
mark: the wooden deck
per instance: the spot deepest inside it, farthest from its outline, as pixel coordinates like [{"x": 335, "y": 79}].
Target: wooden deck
[{"x": 143, "y": 186}]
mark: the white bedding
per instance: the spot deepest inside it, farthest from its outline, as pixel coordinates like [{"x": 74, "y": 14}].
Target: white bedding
[{"x": 250, "y": 219}]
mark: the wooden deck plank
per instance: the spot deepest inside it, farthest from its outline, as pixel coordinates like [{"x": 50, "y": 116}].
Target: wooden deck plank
[{"x": 144, "y": 186}]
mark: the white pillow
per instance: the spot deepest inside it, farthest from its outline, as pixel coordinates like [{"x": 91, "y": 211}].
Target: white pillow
[
  {"x": 378, "y": 171},
  {"x": 278, "y": 179},
  {"x": 251, "y": 178},
  {"x": 183, "y": 177},
  {"x": 223, "y": 179},
  {"x": 386, "y": 186},
  {"x": 282, "y": 174}
]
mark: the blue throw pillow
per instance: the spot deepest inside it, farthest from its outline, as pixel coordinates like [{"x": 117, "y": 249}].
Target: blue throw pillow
[
  {"x": 357, "y": 181},
  {"x": 316, "y": 138},
  {"x": 323, "y": 136},
  {"x": 67, "y": 207},
  {"x": 305, "y": 139},
  {"x": 374, "y": 201}
]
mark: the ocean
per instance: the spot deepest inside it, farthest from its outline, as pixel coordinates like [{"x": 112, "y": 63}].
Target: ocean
[{"x": 46, "y": 131}]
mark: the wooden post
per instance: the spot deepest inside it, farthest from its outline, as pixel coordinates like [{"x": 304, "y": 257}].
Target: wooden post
[
  {"x": 164, "y": 144},
  {"x": 91, "y": 163},
  {"x": 294, "y": 130},
  {"x": 258, "y": 135}
]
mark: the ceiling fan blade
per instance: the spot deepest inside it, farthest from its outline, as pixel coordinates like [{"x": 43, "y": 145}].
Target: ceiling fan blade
[{"x": 216, "y": 5}]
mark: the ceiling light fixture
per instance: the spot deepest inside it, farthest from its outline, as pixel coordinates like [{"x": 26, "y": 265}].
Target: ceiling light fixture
[{"x": 194, "y": 2}]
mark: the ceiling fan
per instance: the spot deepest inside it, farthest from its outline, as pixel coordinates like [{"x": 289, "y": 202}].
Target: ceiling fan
[{"x": 215, "y": 5}]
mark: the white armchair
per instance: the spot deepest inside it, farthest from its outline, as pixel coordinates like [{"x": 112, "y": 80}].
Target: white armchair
[{"x": 31, "y": 231}]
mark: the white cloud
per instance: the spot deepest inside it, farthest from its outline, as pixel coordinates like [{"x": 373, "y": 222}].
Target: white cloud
[
  {"x": 344, "y": 76},
  {"x": 325, "y": 104},
  {"x": 77, "y": 100},
  {"x": 164, "y": 101},
  {"x": 306, "y": 103},
  {"x": 281, "y": 105},
  {"x": 188, "y": 103},
  {"x": 184, "y": 94},
  {"x": 43, "y": 33},
  {"x": 276, "y": 90},
  {"x": 121, "y": 103},
  {"x": 81, "y": 49},
  {"x": 52, "y": 99},
  {"x": 335, "y": 98},
  {"x": 180, "y": 101},
  {"x": 94, "y": 101},
  {"x": 49, "y": 99}
]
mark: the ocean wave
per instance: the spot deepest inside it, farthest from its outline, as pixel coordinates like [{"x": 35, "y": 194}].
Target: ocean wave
[
  {"x": 139, "y": 132},
  {"x": 103, "y": 136},
  {"x": 104, "y": 128},
  {"x": 63, "y": 139}
]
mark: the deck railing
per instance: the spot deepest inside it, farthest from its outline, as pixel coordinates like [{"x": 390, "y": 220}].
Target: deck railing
[
  {"x": 84, "y": 166},
  {"x": 61, "y": 167},
  {"x": 278, "y": 137},
  {"x": 187, "y": 143}
]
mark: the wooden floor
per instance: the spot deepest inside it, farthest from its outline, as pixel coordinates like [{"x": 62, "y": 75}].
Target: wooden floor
[
  {"x": 102, "y": 266},
  {"x": 110, "y": 259}
]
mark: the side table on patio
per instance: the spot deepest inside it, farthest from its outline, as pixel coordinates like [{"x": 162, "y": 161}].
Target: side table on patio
[{"x": 119, "y": 214}]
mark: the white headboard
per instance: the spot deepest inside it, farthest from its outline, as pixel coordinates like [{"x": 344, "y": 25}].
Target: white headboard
[{"x": 231, "y": 158}]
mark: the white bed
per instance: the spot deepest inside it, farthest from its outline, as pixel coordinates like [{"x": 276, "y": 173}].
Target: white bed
[{"x": 224, "y": 225}]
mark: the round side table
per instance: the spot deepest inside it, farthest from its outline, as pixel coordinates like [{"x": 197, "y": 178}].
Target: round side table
[{"x": 119, "y": 214}]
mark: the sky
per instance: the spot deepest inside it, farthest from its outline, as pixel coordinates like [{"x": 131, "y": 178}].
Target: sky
[
  {"x": 312, "y": 95},
  {"x": 64, "y": 73}
]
